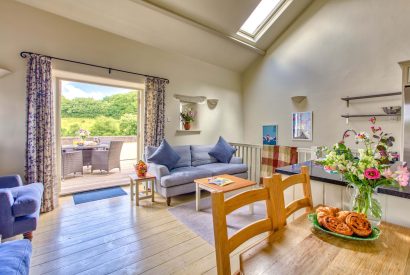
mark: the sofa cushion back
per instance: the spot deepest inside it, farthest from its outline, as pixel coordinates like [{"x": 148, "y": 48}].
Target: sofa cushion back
[
  {"x": 183, "y": 151},
  {"x": 200, "y": 155}
]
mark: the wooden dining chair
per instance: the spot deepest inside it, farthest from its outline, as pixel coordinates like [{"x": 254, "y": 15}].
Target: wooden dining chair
[
  {"x": 282, "y": 212},
  {"x": 221, "y": 208}
]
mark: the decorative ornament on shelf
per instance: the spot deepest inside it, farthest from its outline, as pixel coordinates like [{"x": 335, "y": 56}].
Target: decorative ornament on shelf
[
  {"x": 141, "y": 168},
  {"x": 187, "y": 116},
  {"x": 369, "y": 170}
]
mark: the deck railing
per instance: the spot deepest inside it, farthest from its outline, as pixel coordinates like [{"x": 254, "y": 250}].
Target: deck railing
[{"x": 251, "y": 155}]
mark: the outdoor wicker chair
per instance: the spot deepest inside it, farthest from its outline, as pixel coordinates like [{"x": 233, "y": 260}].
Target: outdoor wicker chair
[
  {"x": 71, "y": 162},
  {"x": 108, "y": 159}
]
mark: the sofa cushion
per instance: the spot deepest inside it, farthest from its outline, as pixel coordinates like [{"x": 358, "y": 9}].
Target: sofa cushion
[
  {"x": 183, "y": 151},
  {"x": 225, "y": 168},
  {"x": 222, "y": 151},
  {"x": 184, "y": 175},
  {"x": 200, "y": 155},
  {"x": 27, "y": 199},
  {"x": 15, "y": 257},
  {"x": 165, "y": 155}
]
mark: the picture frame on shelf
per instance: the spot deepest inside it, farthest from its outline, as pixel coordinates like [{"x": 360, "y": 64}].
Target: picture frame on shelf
[
  {"x": 302, "y": 126},
  {"x": 270, "y": 134}
]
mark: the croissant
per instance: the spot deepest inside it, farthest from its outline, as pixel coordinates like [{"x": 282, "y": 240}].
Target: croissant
[
  {"x": 359, "y": 224},
  {"x": 336, "y": 225},
  {"x": 331, "y": 211},
  {"x": 341, "y": 215}
]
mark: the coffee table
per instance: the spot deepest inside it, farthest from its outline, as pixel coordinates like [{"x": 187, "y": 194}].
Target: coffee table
[{"x": 238, "y": 184}]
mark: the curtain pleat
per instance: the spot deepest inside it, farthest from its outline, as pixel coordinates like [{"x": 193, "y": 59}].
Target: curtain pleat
[
  {"x": 154, "y": 111},
  {"x": 40, "y": 152}
]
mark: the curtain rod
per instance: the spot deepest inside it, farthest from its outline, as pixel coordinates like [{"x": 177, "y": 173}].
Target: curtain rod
[{"x": 26, "y": 54}]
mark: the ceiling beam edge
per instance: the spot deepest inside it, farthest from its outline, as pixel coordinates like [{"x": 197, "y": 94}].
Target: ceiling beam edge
[{"x": 201, "y": 26}]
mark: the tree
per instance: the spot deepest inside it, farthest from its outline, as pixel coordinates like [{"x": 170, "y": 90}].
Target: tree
[
  {"x": 104, "y": 126},
  {"x": 120, "y": 104},
  {"x": 128, "y": 125}
]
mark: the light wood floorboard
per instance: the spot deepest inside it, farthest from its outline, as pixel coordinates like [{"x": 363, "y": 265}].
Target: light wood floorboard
[{"x": 113, "y": 236}]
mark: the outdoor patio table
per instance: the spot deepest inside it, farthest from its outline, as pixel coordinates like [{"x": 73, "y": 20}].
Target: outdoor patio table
[{"x": 87, "y": 150}]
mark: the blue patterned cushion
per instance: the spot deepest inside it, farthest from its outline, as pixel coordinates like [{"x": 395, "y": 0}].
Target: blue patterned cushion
[
  {"x": 222, "y": 151},
  {"x": 165, "y": 155}
]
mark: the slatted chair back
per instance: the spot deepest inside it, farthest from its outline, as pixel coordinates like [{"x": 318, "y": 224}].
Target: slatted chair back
[
  {"x": 281, "y": 211},
  {"x": 221, "y": 208}
]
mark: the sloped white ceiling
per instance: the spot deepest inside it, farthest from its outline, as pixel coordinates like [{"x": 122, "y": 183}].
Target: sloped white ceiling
[{"x": 139, "y": 21}]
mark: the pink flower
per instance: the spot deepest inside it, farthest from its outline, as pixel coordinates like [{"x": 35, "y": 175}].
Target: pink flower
[
  {"x": 372, "y": 120},
  {"x": 403, "y": 175},
  {"x": 375, "y": 129},
  {"x": 372, "y": 173},
  {"x": 388, "y": 174}
]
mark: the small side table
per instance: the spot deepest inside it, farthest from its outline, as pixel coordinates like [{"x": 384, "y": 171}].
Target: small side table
[{"x": 148, "y": 182}]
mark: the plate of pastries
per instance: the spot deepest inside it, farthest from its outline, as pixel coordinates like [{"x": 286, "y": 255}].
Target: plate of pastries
[{"x": 345, "y": 224}]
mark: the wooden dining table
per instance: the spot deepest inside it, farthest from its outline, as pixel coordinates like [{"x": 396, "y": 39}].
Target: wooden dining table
[{"x": 299, "y": 248}]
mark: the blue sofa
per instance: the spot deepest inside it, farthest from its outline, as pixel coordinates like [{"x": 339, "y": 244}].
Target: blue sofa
[
  {"x": 15, "y": 257},
  {"x": 19, "y": 206},
  {"x": 195, "y": 163}
]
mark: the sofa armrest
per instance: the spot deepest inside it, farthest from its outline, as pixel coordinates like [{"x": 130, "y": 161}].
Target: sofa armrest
[
  {"x": 236, "y": 160},
  {"x": 158, "y": 170},
  {"x": 6, "y": 216},
  {"x": 10, "y": 181}
]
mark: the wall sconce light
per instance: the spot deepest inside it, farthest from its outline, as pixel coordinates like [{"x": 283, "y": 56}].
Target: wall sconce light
[
  {"x": 212, "y": 103},
  {"x": 4, "y": 72},
  {"x": 298, "y": 99}
]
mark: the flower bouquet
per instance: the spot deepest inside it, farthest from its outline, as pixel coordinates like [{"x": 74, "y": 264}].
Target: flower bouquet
[
  {"x": 83, "y": 134},
  {"x": 141, "y": 168},
  {"x": 369, "y": 170}
]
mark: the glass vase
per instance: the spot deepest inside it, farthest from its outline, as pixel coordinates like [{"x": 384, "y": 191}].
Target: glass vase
[{"x": 365, "y": 200}]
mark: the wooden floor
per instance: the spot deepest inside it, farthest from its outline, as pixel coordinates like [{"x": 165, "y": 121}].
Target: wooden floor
[{"x": 113, "y": 236}]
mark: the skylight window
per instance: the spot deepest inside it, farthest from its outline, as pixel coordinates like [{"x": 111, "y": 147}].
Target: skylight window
[{"x": 259, "y": 17}]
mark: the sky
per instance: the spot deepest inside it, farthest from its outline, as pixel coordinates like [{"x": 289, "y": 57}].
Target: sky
[{"x": 71, "y": 89}]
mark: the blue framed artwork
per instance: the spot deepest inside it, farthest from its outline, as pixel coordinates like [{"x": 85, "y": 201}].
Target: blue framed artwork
[{"x": 270, "y": 134}]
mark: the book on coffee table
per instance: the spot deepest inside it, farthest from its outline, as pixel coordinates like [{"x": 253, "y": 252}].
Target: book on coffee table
[{"x": 220, "y": 181}]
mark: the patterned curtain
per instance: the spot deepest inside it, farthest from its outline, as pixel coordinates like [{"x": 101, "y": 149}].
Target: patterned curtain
[
  {"x": 154, "y": 111},
  {"x": 40, "y": 155}
]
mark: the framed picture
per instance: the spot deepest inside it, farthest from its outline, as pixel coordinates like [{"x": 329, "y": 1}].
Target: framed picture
[
  {"x": 302, "y": 128},
  {"x": 270, "y": 134}
]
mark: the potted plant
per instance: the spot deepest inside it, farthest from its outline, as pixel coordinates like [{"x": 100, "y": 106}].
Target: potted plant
[
  {"x": 187, "y": 116},
  {"x": 369, "y": 170}
]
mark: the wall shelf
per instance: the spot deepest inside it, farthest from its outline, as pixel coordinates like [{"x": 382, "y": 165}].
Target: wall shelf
[
  {"x": 348, "y": 99},
  {"x": 189, "y": 131},
  {"x": 347, "y": 116},
  {"x": 369, "y": 115}
]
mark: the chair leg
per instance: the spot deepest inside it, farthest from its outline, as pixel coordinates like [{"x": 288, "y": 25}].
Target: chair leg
[
  {"x": 28, "y": 236},
  {"x": 169, "y": 201}
]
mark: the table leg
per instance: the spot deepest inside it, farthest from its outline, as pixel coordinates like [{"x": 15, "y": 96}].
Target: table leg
[
  {"x": 198, "y": 196},
  {"x": 132, "y": 189},
  {"x": 137, "y": 193},
  {"x": 152, "y": 190}
]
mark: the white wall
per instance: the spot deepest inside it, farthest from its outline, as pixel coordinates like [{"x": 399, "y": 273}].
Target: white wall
[
  {"x": 337, "y": 48},
  {"x": 26, "y": 28}
]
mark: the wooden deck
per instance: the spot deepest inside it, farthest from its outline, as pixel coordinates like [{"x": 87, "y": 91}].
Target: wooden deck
[
  {"x": 113, "y": 236},
  {"x": 97, "y": 180}
]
